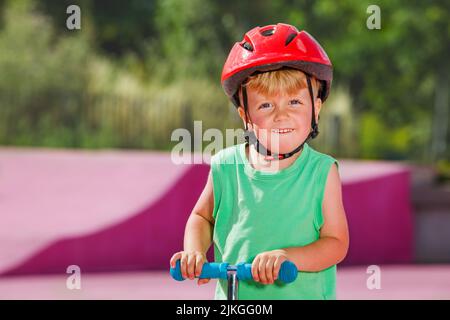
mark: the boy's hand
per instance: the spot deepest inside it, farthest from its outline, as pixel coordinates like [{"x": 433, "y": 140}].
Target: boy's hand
[
  {"x": 191, "y": 264},
  {"x": 266, "y": 266}
]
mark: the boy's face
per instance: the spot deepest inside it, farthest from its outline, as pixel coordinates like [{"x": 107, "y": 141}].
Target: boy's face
[{"x": 268, "y": 114}]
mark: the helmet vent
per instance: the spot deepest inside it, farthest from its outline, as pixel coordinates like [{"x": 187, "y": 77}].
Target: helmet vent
[
  {"x": 290, "y": 38},
  {"x": 268, "y": 32},
  {"x": 247, "y": 46}
]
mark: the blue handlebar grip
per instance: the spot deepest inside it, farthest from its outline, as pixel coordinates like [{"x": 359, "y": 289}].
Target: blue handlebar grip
[
  {"x": 288, "y": 272},
  {"x": 214, "y": 270},
  {"x": 211, "y": 270},
  {"x": 176, "y": 272},
  {"x": 244, "y": 271}
]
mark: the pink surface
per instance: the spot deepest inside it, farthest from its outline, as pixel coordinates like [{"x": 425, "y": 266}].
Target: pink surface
[
  {"x": 126, "y": 210},
  {"x": 397, "y": 282},
  {"x": 99, "y": 210},
  {"x": 380, "y": 219}
]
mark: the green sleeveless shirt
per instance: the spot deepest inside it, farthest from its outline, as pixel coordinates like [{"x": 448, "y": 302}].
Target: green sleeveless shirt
[{"x": 258, "y": 211}]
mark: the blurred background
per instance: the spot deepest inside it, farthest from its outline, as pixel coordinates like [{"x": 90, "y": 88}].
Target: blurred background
[{"x": 86, "y": 118}]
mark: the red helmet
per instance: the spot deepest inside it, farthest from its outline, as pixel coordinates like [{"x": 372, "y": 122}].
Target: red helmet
[{"x": 274, "y": 47}]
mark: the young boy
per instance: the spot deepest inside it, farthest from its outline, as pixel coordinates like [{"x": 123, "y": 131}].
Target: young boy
[{"x": 273, "y": 198}]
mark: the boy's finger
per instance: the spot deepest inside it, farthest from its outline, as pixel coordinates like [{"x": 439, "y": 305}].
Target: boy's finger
[
  {"x": 198, "y": 266},
  {"x": 183, "y": 264},
  {"x": 191, "y": 266},
  {"x": 203, "y": 281},
  {"x": 174, "y": 259},
  {"x": 255, "y": 272},
  {"x": 277, "y": 267},
  {"x": 262, "y": 270},
  {"x": 269, "y": 270}
]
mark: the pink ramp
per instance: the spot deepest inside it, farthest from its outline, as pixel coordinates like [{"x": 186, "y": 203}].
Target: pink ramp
[
  {"x": 99, "y": 210},
  {"x": 126, "y": 210},
  {"x": 377, "y": 203}
]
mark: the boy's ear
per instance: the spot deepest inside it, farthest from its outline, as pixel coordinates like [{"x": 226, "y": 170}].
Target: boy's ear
[
  {"x": 241, "y": 113},
  {"x": 317, "y": 108},
  {"x": 242, "y": 116}
]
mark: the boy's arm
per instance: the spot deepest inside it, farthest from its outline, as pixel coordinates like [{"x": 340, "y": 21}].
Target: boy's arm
[
  {"x": 199, "y": 227},
  {"x": 333, "y": 244},
  {"x": 197, "y": 235}
]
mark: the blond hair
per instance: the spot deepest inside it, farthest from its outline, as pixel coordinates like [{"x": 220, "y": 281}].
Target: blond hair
[{"x": 287, "y": 80}]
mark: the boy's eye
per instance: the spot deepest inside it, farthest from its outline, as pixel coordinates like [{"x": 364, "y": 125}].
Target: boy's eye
[
  {"x": 295, "y": 101},
  {"x": 265, "y": 106}
]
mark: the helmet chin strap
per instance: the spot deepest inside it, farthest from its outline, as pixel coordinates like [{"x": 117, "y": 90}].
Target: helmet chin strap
[{"x": 250, "y": 137}]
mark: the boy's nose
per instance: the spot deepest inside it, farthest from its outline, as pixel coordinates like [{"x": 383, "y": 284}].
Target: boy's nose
[{"x": 281, "y": 114}]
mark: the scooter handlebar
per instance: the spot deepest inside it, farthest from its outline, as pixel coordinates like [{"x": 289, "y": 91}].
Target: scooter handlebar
[{"x": 213, "y": 270}]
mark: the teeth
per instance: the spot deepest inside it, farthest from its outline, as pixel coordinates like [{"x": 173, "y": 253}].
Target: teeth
[{"x": 281, "y": 130}]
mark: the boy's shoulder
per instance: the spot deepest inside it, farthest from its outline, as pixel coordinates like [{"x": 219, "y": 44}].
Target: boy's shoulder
[
  {"x": 226, "y": 155},
  {"x": 320, "y": 156}
]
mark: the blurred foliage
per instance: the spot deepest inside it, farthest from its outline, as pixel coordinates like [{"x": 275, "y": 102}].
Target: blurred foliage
[
  {"x": 41, "y": 83},
  {"x": 443, "y": 170},
  {"x": 139, "y": 69}
]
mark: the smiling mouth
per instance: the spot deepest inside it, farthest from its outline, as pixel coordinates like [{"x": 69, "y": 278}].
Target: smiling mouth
[{"x": 282, "y": 131}]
